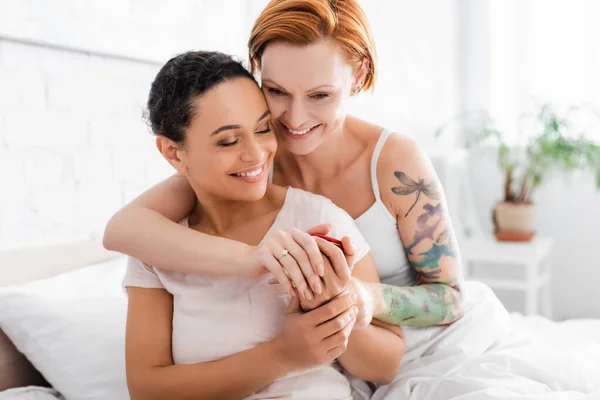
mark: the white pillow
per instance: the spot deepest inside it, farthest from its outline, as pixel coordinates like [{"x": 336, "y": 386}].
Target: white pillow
[{"x": 72, "y": 329}]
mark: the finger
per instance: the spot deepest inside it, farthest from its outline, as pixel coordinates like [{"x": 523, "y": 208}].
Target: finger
[
  {"x": 340, "y": 338},
  {"x": 336, "y": 352},
  {"x": 292, "y": 269},
  {"x": 302, "y": 260},
  {"x": 322, "y": 229},
  {"x": 348, "y": 246},
  {"x": 332, "y": 309},
  {"x": 278, "y": 272},
  {"x": 309, "y": 245},
  {"x": 294, "y": 306},
  {"x": 349, "y": 250},
  {"x": 336, "y": 257},
  {"x": 337, "y": 324}
]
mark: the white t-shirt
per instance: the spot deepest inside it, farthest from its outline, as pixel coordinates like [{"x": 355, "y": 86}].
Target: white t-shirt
[{"x": 215, "y": 317}]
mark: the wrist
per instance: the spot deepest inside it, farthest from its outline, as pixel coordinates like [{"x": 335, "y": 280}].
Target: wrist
[
  {"x": 374, "y": 290},
  {"x": 280, "y": 362},
  {"x": 247, "y": 261}
]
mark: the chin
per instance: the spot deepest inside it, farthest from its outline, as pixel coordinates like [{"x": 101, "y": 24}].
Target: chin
[
  {"x": 301, "y": 148},
  {"x": 249, "y": 195}
]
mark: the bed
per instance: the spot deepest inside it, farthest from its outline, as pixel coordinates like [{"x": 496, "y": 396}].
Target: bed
[
  {"x": 62, "y": 324},
  {"x": 63, "y": 308}
]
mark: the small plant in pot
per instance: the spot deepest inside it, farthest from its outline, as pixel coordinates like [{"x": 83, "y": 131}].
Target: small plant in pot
[{"x": 551, "y": 147}]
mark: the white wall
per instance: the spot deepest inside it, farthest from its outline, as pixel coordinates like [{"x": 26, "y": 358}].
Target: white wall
[
  {"x": 74, "y": 78},
  {"x": 566, "y": 210},
  {"x": 417, "y": 89},
  {"x": 528, "y": 59}
]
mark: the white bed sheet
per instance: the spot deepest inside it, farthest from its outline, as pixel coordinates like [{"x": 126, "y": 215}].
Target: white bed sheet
[{"x": 490, "y": 354}]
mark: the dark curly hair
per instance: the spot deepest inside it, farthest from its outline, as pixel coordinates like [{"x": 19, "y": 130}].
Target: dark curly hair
[{"x": 180, "y": 81}]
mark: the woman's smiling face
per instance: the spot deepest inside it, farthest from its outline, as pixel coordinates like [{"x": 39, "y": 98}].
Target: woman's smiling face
[{"x": 306, "y": 88}]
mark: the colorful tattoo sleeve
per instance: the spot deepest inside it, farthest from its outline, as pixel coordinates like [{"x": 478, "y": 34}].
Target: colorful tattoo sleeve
[
  {"x": 432, "y": 252},
  {"x": 423, "y": 305}
]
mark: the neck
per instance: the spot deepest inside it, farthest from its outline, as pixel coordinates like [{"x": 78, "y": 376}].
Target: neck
[{"x": 217, "y": 216}]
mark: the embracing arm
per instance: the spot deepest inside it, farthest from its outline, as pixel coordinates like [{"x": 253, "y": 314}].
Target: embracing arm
[
  {"x": 145, "y": 229},
  {"x": 410, "y": 188},
  {"x": 151, "y": 373}
]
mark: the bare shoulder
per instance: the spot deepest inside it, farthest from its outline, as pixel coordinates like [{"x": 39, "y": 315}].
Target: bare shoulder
[
  {"x": 404, "y": 166},
  {"x": 401, "y": 150},
  {"x": 364, "y": 131}
]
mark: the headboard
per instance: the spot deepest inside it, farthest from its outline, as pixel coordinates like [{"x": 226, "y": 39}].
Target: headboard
[{"x": 33, "y": 263}]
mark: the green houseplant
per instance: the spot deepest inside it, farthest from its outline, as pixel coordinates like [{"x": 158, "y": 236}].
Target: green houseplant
[{"x": 550, "y": 146}]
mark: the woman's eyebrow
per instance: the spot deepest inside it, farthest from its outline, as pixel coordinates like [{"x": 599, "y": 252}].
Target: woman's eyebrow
[
  {"x": 228, "y": 127},
  {"x": 225, "y": 128},
  {"x": 323, "y": 86}
]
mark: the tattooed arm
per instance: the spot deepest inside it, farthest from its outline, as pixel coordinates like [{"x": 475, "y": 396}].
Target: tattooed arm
[{"x": 411, "y": 191}]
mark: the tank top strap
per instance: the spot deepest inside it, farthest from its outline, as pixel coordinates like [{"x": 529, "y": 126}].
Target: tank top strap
[{"x": 375, "y": 158}]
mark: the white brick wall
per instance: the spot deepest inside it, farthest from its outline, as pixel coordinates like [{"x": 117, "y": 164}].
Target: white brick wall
[{"x": 73, "y": 147}]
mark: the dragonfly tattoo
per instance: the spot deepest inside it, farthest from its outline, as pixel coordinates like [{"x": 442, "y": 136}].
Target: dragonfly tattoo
[{"x": 410, "y": 186}]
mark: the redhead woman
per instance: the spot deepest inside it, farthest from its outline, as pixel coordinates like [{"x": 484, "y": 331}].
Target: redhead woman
[{"x": 313, "y": 56}]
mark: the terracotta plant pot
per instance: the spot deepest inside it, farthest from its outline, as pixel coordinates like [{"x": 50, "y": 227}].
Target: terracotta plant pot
[{"x": 513, "y": 221}]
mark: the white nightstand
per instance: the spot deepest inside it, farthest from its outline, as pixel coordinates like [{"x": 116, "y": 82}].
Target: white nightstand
[{"x": 533, "y": 257}]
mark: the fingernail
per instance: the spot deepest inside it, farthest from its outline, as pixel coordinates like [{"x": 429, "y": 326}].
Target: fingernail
[
  {"x": 321, "y": 270},
  {"x": 353, "y": 297},
  {"x": 318, "y": 288},
  {"x": 354, "y": 311},
  {"x": 307, "y": 294}
]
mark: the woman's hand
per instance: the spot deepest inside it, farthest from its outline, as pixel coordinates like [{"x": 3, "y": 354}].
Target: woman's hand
[
  {"x": 336, "y": 274},
  {"x": 295, "y": 260},
  {"x": 316, "y": 337},
  {"x": 365, "y": 302}
]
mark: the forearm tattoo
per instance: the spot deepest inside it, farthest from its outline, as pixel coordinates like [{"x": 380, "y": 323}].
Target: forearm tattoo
[{"x": 424, "y": 305}]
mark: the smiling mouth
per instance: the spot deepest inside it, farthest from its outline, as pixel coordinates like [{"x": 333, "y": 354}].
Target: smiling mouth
[
  {"x": 250, "y": 174},
  {"x": 300, "y": 132}
]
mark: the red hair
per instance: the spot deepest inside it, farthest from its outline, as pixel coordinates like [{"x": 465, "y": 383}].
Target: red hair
[{"x": 303, "y": 22}]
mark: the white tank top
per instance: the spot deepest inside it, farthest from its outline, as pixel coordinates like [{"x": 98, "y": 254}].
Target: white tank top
[{"x": 380, "y": 228}]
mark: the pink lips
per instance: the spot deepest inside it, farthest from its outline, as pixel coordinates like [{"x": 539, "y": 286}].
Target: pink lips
[
  {"x": 300, "y": 137},
  {"x": 254, "y": 178}
]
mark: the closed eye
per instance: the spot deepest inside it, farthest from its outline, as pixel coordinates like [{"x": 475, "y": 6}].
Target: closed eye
[
  {"x": 263, "y": 132},
  {"x": 276, "y": 92},
  {"x": 227, "y": 144},
  {"x": 319, "y": 96}
]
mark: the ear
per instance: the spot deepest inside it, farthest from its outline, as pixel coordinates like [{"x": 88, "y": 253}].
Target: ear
[
  {"x": 172, "y": 152},
  {"x": 360, "y": 76}
]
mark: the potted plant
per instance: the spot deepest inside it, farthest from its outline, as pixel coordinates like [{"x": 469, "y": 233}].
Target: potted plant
[{"x": 551, "y": 147}]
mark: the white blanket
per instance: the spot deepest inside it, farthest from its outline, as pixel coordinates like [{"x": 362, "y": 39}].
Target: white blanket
[
  {"x": 489, "y": 354},
  {"x": 30, "y": 393}
]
